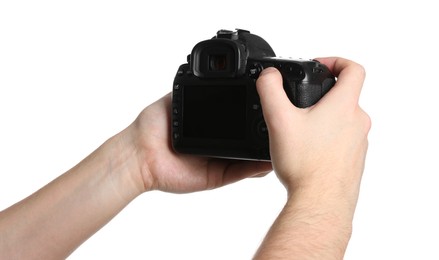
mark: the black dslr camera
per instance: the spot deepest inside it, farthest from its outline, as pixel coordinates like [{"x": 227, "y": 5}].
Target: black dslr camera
[{"x": 216, "y": 110}]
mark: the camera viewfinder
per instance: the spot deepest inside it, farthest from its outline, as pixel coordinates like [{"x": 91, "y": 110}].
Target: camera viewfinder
[{"x": 218, "y": 62}]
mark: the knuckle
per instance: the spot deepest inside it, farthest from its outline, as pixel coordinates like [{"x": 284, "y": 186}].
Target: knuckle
[
  {"x": 366, "y": 120},
  {"x": 360, "y": 70}
]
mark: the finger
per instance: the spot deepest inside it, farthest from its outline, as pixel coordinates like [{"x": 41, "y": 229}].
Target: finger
[
  {"x": 239, "y": 170},
  {"x": 350, "y": 78},
  {"x": 273, "y": 98},
  {"x": 261, "y": 174}
]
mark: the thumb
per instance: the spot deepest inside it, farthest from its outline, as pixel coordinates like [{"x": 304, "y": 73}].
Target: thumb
[{"x": 273, "y": 98}]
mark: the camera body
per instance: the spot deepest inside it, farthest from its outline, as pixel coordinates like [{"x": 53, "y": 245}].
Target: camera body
[{"x": 216, "y": 110}]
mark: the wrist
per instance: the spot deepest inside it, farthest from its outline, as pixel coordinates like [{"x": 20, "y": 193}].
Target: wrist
[
  {"x": 312, "y": 225},
  {"x": 322, "y": 221},
  {"x": 331, "y": 207},
  {"x": 336, "y": 188},
  {"x": 125, "y": 163}
]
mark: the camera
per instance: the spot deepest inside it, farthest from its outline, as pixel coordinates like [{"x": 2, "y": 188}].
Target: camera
[{"x": 216, "y": 110}]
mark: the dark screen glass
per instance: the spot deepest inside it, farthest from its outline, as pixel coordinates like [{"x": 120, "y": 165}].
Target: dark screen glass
[
  {"x": 218, "y": 62},
  {"x": 216, "y": 112}
]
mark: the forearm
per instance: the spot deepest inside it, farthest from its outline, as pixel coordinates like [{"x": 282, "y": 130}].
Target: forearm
[
  {"x": 314, "y": 224},
  {"x": 55, "y": 220}
]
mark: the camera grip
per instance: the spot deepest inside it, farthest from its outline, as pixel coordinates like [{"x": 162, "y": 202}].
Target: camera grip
[
  {"x": 306, "y": 94},
  {"x": 307, "y": 91}
]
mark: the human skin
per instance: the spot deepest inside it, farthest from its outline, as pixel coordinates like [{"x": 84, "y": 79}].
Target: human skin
[
  {"x": 55, "y": 220},
  {"x": 319, "y": 155}
]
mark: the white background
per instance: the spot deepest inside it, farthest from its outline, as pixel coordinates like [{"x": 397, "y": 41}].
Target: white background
[{"x": 74, "y": 73}]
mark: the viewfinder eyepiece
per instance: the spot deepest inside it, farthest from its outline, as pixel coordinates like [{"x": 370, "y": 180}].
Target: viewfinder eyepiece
[{"x": 218, "y": 58}]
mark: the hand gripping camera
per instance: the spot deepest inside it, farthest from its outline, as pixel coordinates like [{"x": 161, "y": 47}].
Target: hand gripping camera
[{"x": 216, "y": 110}]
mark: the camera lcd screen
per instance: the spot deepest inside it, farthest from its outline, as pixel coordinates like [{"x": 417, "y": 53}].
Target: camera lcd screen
[{"x": 217, "y": 112}]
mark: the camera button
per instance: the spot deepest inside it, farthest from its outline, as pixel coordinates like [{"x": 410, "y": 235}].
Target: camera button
[
  {"x": 254, "y": 70},
  {"x": 317, "y": 70},
  {"x": 262, "y": 129},
  {"x": 177, "y": 87},
  {"x": 180, "y": 73}
]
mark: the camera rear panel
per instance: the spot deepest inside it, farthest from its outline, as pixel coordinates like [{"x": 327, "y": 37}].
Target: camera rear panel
[{"x": 220, "y": 118}]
